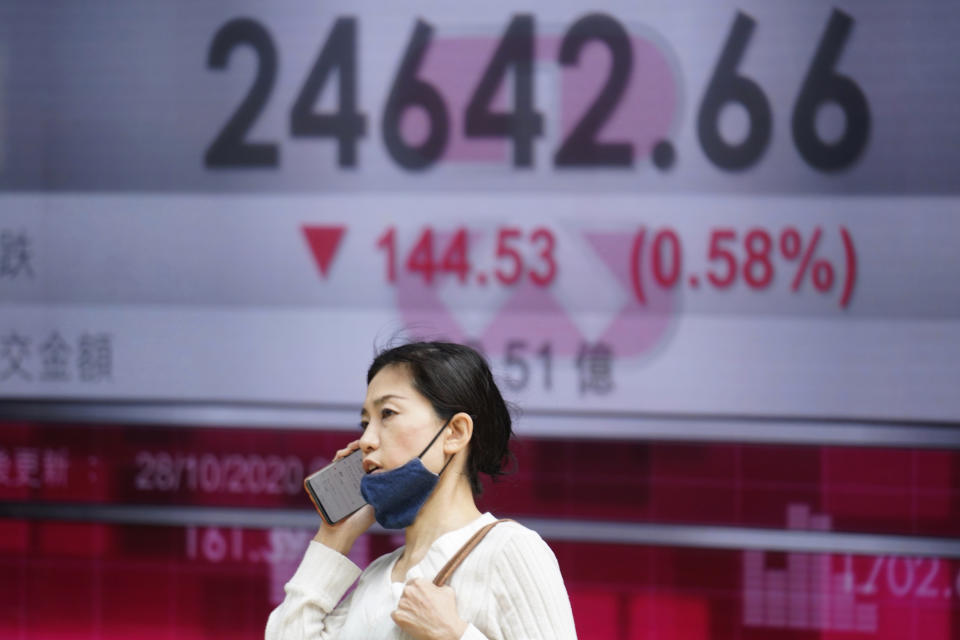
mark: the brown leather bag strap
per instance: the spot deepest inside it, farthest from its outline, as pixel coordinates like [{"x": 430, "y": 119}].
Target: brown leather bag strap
[{"x": 444, "y": 574}]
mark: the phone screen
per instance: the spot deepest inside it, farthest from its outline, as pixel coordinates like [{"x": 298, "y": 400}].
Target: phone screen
[{"x": 335, "y": 489}]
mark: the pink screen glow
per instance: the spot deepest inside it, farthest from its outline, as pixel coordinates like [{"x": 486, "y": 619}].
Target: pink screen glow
[{"x": 95, "y": 580}]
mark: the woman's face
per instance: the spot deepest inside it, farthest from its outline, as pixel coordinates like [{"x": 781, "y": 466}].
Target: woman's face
[{"x": 399, "y": 423}]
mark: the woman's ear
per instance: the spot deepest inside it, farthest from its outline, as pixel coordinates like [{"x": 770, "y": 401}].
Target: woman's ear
[{"x": 458, "y": 433}]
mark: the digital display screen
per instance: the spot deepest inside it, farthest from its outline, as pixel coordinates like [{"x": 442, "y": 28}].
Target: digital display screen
[
  {"x": 853, "y": 489},
  {"x": 80, "y": 580},
  {"x": 114, "y": 579},
  {"x": 708, "y": 248}
]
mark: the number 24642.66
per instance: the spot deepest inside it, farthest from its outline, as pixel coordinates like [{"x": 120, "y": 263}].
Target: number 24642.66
[{"x": 513, "y": 60}]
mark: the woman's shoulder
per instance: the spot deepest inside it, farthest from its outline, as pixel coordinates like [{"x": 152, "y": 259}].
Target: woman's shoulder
[
  {"x": 514, "y": 565},
  {"x": 509, "y": 530},
  {"x": 510, "y": 542}
]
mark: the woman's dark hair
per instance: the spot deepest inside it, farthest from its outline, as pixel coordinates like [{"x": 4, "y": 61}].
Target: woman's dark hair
[{"x": 455, "y": 378}]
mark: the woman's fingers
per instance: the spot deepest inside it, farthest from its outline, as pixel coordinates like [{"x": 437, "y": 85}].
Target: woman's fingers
[
  {"x": 350, "y": 448},
  {"x": 428, "y": 611}
]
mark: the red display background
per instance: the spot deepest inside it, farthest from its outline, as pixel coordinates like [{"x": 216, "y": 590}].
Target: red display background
[{"x": 88, "y": 580}]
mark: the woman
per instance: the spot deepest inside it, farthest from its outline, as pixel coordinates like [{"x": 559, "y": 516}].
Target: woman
[{"x": 437, "y": 402}]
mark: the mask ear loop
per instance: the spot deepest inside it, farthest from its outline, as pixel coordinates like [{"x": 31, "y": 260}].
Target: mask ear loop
[
  {"x": 427, "y": 448},
  {"x": 449, "y": 460}
]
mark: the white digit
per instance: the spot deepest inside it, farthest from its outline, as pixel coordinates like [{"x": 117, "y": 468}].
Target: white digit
[
  {"x": 848, "y": 577},
  {"x": 209, "y": 474},
  {"x": 144, "y": 479},
  {"x": 164, "y": 475},
  {"x": 257, "y": 478},
  {"x": 190, "y": 464},
  {"x": 214, "y": 545},
  {"x": 235, "y": 468},
  {"x": 926, "y": 589},
  {"x": 274, "y": 472},
  {"x": 870, "y": 586},
  {"x": 293, "y": 480},
  {"x": 899, "y": 589}
]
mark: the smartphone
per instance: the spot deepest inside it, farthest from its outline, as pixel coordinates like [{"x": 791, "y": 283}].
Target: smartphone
[{"x": 335, "y": 489}]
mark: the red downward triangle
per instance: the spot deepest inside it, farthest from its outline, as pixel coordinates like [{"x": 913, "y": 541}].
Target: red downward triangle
[{"x": 323, "y": 243}]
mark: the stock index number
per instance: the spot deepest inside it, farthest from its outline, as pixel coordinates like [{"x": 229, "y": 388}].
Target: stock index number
[
  {"x": 513, "y": 60},
  {"x": 514, "y": 56}
]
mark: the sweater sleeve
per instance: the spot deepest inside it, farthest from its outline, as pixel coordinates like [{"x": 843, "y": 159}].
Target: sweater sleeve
[
  {"x": 310, "y": 609},
  {"x": 531, "y": 599}
]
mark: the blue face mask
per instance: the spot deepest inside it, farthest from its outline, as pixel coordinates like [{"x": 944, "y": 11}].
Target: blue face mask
[{"x": 397, "y": 495}]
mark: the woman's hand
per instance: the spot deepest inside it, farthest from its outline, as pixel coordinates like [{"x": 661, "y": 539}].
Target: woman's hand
[
  {"x": 347, "y": 450},
  {"x": 429, "y": 612},
  {"x": 341, "y": 536}
]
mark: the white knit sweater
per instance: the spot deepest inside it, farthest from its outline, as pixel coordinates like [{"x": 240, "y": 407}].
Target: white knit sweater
[{"x": 509, "y": 587}]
